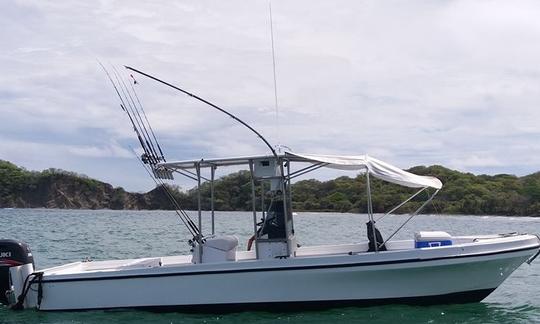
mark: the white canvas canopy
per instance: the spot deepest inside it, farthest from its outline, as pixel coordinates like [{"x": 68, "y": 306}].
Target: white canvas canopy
[{"x": 377, "y": 168}]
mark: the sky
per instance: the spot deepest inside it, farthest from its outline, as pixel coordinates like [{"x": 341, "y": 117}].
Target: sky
[{"x": 454, "y": 83}]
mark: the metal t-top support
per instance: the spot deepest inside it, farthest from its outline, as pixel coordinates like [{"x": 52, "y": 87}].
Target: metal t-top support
[
  {"x": 284, "y": 186},
  {"x": 416, "y": 212},
  {"x": 370, "y": 210},
  {"x": 212, "y": 207},
  {"x": 253, "y": 201},
  {"x": 199, "y": 209}
]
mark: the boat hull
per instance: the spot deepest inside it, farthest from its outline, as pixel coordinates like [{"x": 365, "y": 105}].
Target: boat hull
[
  {"x": 291, "y": 283},
  {"x": 293, "y": 306}
]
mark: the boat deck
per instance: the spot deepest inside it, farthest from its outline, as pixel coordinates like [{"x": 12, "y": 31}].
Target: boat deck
[{"x": 241, "y": 256}]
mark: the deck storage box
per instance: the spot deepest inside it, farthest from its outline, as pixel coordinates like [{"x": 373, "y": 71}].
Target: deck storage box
[{"x": 431, "y": 239}]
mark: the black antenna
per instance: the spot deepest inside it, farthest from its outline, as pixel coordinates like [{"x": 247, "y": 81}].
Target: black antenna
[{"x": 208, "y": 103}]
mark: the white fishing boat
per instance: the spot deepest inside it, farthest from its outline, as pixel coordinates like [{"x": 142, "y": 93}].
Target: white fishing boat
[
  {"x": 274, "y": 273},
  {"x": 432, "y": 267}
]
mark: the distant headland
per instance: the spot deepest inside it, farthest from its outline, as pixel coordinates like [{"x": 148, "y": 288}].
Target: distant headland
[{"x": 463, "y": 193}]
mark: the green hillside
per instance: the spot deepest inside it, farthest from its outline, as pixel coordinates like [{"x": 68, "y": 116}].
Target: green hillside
[{"x": 463, "y": 193}]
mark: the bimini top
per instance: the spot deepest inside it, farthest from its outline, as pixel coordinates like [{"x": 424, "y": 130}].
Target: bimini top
[{"x": 376, "y": 168}]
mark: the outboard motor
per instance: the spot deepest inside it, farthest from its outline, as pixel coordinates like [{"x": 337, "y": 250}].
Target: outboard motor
[{"x": 12, "y": 254}]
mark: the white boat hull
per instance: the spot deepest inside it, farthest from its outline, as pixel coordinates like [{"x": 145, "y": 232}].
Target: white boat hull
[{"x": 454, "y": 274}]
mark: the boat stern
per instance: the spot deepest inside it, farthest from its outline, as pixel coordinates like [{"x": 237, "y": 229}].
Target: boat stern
[{"x": 16, "y": 265}]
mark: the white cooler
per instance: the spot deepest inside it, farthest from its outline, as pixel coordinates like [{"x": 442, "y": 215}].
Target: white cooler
[{"x": 426, "y": 239}]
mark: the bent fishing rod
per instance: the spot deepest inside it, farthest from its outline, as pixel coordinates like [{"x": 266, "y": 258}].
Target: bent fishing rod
[
  {"x": 209, "y": 104},
  {"x": 150, "y": 155}
]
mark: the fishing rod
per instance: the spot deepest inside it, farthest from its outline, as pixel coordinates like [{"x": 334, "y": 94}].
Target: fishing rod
[
  {"x": 152, "y": 156},
  {"x": 209, "y": 104},
  {"x": 123, "y": 106},
  {"x": 149, "y": 157},
  {"x": 184, "y": 217},
  {"x": 146, "y": 118},
  {"x": 145, "y": 131}
]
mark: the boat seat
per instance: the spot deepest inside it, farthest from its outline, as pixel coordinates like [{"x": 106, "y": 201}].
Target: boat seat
[
  {"x": 217, "y": 249},
  {"x": 223, "y": 243}
]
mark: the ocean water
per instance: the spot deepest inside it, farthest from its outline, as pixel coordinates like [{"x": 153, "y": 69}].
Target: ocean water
[{"x": 60, "y": 236}]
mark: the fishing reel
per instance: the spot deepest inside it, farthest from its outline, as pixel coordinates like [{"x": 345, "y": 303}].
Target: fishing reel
[
  {"x": 146, "y": 159},
  {"x": 151, "y": 159}
]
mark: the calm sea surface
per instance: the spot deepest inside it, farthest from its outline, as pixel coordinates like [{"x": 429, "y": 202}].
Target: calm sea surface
[{"x": 61, "y": 236}]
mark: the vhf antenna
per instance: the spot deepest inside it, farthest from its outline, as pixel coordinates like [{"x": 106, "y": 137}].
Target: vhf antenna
[{"x": 278, "y": 146}]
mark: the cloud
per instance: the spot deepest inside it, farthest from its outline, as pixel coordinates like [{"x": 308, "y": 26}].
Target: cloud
[
  {"x": 476, "y": 161},
  {"x": 451, "y": 83},
  {"x": 98, "y": 152}
]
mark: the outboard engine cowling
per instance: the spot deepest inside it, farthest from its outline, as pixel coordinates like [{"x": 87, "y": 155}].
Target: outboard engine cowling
[{"x": 13, "y": 253}]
